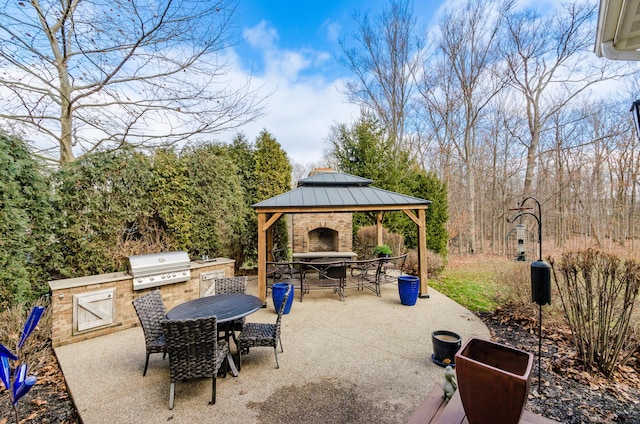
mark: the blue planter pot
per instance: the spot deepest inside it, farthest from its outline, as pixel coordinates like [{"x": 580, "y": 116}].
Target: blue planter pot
[
  {"x": 278, "y": 290},
  {"x": 408, "y": 286}
]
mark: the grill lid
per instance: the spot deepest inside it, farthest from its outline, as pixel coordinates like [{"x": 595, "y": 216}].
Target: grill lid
[{"x": 158, "y": 263}]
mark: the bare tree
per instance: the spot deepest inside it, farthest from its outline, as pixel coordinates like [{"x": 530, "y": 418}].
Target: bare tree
[
  {"x": 383, "y": 63},
  {"x": 78, "y": 75},
  {"x": 458, "y": 84},
  {"x": 546, "y": 63}
]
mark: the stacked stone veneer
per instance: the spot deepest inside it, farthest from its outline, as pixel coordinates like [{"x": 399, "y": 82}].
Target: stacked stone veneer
[
  {"x": 62, "y": 294},
  {"x": 303, "y": 223}
]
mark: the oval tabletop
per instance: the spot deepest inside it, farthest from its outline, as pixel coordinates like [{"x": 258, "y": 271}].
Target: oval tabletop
[{"x": 226, "y": 307}]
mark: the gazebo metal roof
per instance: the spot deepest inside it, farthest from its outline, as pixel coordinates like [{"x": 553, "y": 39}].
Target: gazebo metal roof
[{"x": 339, "y": 190}]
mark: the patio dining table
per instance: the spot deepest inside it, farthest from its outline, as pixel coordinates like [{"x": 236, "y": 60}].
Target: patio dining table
[{"x": 227, "y": 307}]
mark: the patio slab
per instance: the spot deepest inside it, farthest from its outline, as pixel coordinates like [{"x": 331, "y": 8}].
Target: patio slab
[{"x": 374, "y": 347}]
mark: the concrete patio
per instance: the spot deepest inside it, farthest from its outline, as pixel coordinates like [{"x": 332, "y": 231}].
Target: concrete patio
[{"x": 374, "y": 347}]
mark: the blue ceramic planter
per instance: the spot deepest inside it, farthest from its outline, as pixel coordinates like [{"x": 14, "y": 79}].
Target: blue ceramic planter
[
  {"x": 408, "y": 286},
  {"x": 278, "y": 290}
]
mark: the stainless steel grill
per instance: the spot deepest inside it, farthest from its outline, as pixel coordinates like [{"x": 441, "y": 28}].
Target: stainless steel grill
[{"x": 156, "y": 269}]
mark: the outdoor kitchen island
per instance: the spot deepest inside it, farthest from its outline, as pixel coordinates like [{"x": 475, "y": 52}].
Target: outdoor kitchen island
[{"x": 96, "y": 305}]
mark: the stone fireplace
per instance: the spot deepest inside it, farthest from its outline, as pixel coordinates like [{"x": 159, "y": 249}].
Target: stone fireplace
[
  {"x": 321, "y": 232},
  {"x": 323, "y": 240}
]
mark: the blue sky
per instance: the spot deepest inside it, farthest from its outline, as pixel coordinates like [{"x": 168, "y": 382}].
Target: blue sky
[
  {"x": 308, "y": 27},
  {"x": 289, "y": 47}
]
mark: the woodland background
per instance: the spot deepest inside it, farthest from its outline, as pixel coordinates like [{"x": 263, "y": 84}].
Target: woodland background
[{"x": 495, "y": 103}]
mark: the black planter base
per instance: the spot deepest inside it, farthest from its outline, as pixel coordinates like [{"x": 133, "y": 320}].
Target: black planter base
[{"x": 441, "y": 364}]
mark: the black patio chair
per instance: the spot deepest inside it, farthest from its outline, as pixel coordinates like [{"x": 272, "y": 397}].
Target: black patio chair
[
  {"x": 365, "y": 274},
  {"x": 194, "y": 351},
  {"x": 385, "y": 274},
  {"x": 262, "y": 334},
  {"x": 150, "y": 310},
  {"x": 281, "y": 268},
  {"x": 231, "y": 284}
]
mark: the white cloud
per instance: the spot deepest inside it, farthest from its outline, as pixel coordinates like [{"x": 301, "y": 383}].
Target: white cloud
[
  {"x": 332, "y": 30},
  {"x": 260, "y": 36},
  {"x": 285, "y": 65},
  {"x": 303, "y": 104},
  {"x": 300, "y": 117}
]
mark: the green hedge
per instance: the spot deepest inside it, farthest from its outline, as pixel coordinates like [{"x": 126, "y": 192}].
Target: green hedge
[
  {"x": 125, "y": 203},
  {"x": 27, "y": 222},
  {"x": 88, "y": 216}
]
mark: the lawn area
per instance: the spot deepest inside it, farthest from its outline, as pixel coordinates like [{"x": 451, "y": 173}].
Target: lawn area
[{"x": 474, "y": 281}]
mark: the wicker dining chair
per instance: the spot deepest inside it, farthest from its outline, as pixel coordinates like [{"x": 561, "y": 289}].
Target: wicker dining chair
[
  {"x": 232, "y": 285},
  {"x": 194, "y": 351},
  {"x": 262, "y": 334},
  {"x": 150, "y": 310}
]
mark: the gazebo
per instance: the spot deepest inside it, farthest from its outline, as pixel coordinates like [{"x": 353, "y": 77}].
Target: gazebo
[{"x": 338, "y": 192}]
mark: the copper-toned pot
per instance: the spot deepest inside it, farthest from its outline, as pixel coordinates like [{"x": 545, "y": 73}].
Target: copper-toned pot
[{"x": 493, "y": 381}]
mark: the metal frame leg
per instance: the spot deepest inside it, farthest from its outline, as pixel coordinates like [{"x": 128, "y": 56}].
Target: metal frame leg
[{"x": 172, "y": 393}]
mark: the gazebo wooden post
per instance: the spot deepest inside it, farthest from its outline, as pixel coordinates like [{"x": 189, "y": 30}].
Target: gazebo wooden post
[
  {"x": 421, "y": 223},
  {"x": 269, "y": 244},
  {"x": 422, "y": 254},
  {"x": 262, "y": 258},
  {"x": 379, "y": 216},
  {"x": 265, "y": 238}
]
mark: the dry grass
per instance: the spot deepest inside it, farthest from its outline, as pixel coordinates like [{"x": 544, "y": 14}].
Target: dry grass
[
  {"x": 37, "y": 349},
  {"x": 366, "y": 238},
  {"x": 435, "y": 263}
]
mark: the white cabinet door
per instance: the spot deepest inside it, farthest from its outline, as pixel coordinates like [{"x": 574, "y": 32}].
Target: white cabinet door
[
  {"x": 207, "y": 287},
  {"x": 93, "y": 309}
]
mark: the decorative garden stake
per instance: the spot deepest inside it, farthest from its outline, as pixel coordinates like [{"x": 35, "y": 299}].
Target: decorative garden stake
[{"x": 20, "y": 383}]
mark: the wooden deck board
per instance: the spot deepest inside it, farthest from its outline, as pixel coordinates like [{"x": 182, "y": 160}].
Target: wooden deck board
[
  {"x": 434, "y": 410},
  {"x": 429, "y": 407}
]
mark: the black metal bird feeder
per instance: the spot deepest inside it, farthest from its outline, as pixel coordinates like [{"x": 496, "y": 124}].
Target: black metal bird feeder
[{"x": 540, "y": 274}]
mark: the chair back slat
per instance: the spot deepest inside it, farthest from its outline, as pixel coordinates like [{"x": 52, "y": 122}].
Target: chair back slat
[
  {"x": 151, "y": 311},
  {"x": 231, "y": 284},
  {"x": 192, "y": 346}
]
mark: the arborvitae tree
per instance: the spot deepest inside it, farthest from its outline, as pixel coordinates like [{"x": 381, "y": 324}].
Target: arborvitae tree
[
  {"x": 27, "y": 220},
  {"x": 105, "y": 201},
  {"x": 171, "y": 195},
  {"x": 241, "y": 151},
  {"x": 272, "y": 177},
  {"x": 219, "y": 204}
]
